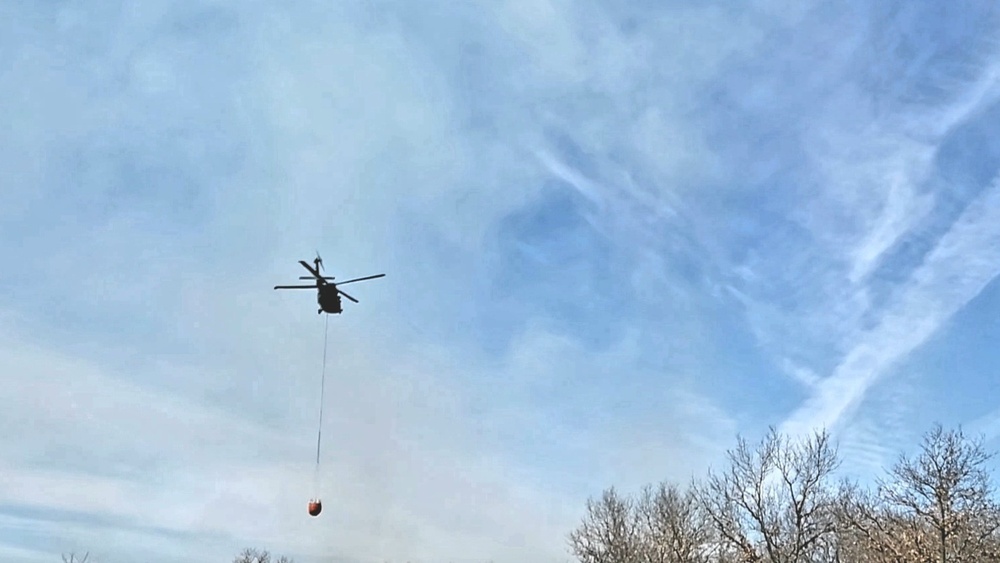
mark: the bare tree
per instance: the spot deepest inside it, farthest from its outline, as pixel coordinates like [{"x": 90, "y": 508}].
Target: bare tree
[
  {"x": 871, "y": 531},
  {"x": 249, "y": 555},
  {"x": 937, "y": 506},
  {"x": 71, "y": 558},
  {"x": 774, "y": 503},
  {"x": 610, "y": 531},
  {"x": 673, "y": 527}
]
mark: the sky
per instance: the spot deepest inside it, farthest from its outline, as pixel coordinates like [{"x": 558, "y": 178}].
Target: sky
[{"x": 615, "y": 235}]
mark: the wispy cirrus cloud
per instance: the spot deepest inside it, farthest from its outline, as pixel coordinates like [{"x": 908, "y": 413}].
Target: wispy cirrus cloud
[
  {"x": 905, "y": 261},
  {"x": 959, "y": 267}
]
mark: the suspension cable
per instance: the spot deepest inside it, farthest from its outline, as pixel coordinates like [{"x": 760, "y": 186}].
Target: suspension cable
[{"x": 322, "y": 389}]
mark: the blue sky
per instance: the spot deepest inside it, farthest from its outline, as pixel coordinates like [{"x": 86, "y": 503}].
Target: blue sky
[{"x": 615, "y": 235}]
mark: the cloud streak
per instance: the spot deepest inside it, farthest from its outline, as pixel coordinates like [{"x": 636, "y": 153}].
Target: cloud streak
[
  {"x": 958, "y": 267},
  {"x": 962, "y": 263}
]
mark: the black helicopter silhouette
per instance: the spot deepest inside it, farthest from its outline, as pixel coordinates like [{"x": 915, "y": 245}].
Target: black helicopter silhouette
[{"x": 327, "y": 292}]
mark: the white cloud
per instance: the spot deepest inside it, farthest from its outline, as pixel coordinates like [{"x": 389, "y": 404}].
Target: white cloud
[
  {"x": 961, "y": 264},
  {"x": 831, "y": 290}
]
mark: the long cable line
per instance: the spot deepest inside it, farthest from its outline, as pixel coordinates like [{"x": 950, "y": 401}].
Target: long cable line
[{"x": 322, "y": 389}]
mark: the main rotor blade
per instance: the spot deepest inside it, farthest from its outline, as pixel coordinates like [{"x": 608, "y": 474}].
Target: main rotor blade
[
  {"x": 295, "y": 287},
  {"x": 312, "y": 270},
  {"x": 312, "y": 277},
  {"x": 347, "y": 296},
  {"x": 361, "y": 279}
]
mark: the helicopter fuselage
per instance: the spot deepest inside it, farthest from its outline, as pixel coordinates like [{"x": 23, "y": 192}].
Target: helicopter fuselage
[{"x": 329, "y": 299}]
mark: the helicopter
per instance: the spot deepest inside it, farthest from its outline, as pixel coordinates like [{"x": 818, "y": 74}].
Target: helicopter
[{"x": 327, "y": 292}]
